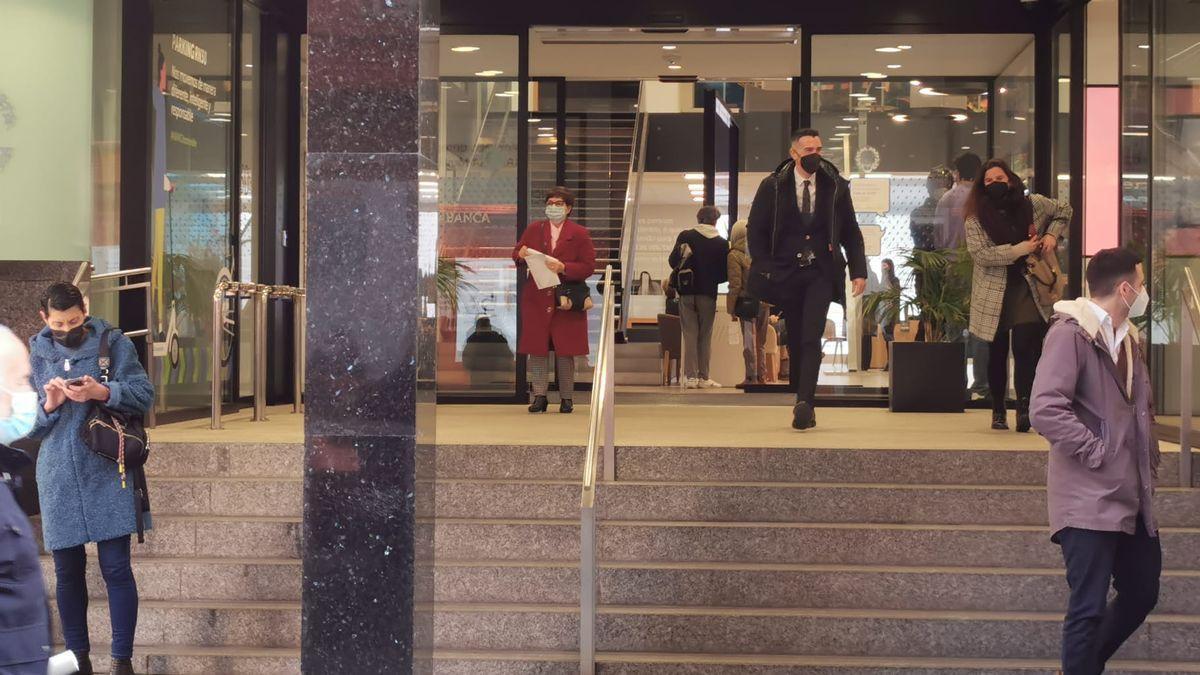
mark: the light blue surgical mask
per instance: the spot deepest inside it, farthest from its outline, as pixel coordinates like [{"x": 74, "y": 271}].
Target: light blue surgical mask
[
  {"x": 21, "y": 417},
  {"x": 557, "y": 213}
]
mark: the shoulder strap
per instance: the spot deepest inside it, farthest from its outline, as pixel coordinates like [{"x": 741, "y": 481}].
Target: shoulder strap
[{"x": 105, "y": 360}]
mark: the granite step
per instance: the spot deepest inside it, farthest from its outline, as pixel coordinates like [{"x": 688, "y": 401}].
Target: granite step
[
  {"x": 785, "y": 585},
  {"x": 203, "y": 623},
  {"x": 809, "y": 543},
  {"x": 228, "y": 496},
  {"x": 217, "y": 537},
  {"x": 489, "y": 662},
  {"x": 190, "y": 660},
  {"x": 200, "y": 578},
  {"x": 941, "y": 467},
  {"x": 225, "y": 460},
  {"x": 874, "y": 633},
  {"x": 775, "y": 502}
]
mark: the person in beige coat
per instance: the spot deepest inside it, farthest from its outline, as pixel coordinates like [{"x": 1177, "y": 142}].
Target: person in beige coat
[
  {"x": 1004, "y": 227},
  {"x": 754, "y": 332}
]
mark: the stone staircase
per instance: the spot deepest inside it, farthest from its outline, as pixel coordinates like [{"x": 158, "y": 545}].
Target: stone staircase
[
  {"x": 713, "y": 560},
  {"x": 219, "y": 575},
  {"x": 745, "y": 560}
]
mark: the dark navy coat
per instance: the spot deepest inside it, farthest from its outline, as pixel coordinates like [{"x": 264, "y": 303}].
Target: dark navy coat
[
  {"x": 24, "y": 624},
  {"x": 80, "y": 492}
]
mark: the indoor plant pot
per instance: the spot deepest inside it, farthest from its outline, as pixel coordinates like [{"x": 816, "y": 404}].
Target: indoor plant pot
[{"x": 929, "y": 376}]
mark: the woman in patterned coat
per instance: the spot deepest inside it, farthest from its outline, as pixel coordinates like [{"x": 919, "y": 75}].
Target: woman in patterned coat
[{"x": 1004, "y": 227}]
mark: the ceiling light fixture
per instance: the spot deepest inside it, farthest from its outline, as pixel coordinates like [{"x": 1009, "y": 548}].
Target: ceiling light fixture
[
  {"x": 1018, "y": 118},
  {"x": 844, "y": 126},
  {"x": 887, "y": 50},
  {"x": 929, "y": 91},
  {"x": 489, "y": 73},
  {"x": 904, "y": 46},
  {"x": 979, "y": 132},
  {"x": 857, "y": 95},
  {"x": 1143, "y": 46},
  {"x": 873, "y": 76},
  {"x": 1008, "y": 131},
  {"x": 465, "y": 49},
  {"x": 865, "y": 99},
  {"x": 724, "y": 30},
  {"x": 697, "y": 199},
  {"x": 894, "y": 66},
  {"x": 900, "y": 118},
  {"x": 1003, "y": 90},
  {"x": 696, "y": 186},
  {"x": 534, "y": 120},
  {"x": 668, "y": 47},
  {"x": 675, "y": 66},
  {"x": 849, "y": 119},
  {"x": 915, "y": 83},
  {"x": 958, "y": 117},
  {"x": 693, "y": 176}
]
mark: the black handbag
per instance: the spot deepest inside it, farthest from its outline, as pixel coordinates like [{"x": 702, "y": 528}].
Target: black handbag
[
  {"x": 120, "y": 438},
  {"x": 573, "y": 296},
  {"x": 747, "y": 309}
]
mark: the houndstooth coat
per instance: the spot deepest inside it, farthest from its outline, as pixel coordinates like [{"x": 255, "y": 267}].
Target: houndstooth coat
[{"x": 1051, "y": 216}]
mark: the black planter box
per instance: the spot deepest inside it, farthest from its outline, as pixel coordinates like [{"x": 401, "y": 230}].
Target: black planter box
[{"x": 927, "y": 377}]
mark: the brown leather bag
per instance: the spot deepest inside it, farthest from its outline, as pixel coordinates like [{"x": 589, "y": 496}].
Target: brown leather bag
[{"x": 1046, "y": 278}]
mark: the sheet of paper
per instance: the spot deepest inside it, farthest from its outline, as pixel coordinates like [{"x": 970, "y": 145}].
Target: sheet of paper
[{"x": 538, "y": 269}]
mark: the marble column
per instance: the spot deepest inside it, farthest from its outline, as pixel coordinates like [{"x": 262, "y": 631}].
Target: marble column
[{"x": 367, "y": 547}]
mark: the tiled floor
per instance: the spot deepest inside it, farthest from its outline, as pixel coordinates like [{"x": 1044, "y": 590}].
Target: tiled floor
[{"x": 662, "y": 425}]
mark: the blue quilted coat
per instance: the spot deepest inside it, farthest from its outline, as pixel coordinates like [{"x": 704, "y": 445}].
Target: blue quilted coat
[{"x": 80, "y": 492}]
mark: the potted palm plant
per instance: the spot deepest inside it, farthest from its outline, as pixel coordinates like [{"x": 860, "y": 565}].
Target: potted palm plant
[{"x": 930, "y": 375}]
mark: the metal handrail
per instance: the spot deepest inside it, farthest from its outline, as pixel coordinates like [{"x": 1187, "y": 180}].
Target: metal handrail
[
  {"x": 1189, "y": 328},
  {"x": 600, "y": 431},
  {"x": 122, "y": 278},
  {"x": 633, "y": 201},
  {"x": 261, "y": 294}
]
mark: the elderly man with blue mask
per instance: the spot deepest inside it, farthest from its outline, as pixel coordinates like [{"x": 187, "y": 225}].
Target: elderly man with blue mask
[{"x": 24, "y": 622}]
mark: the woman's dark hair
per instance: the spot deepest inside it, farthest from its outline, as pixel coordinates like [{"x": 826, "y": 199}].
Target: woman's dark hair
[
  {"x": 562, "y": 193},
  {"x": 1007, "y": 221},
  {"x": 62, "y": 296},
  {"x": 889, "y": 272},
  {"x": 978, "y": 198},
  {"x": 1108, "y": 268},
  {"x": 708, "y": 215}
]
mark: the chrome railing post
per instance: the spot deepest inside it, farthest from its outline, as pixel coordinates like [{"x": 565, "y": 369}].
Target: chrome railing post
[
  {"x": 218, "y": 317},
  {"x": 151, "y": 358},
  {"x": 610, "y": 376},
  {"x": 587, "y": 591},
  {"x": 1186, "y": 336},
  {"x": 299, "y": 305},
  {"x": 261, "y": 298}
]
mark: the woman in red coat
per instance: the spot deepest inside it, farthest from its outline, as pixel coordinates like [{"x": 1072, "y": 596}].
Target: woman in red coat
[{"x": 543, "y": 327}]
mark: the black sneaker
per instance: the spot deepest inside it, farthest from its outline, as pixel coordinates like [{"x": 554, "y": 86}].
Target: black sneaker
[
  {"x": 1000, "y": 420},
  {"x": 803, "y": 416}
]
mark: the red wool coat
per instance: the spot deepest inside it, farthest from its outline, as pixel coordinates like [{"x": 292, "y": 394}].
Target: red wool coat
[{"x": 541, "y": 324}]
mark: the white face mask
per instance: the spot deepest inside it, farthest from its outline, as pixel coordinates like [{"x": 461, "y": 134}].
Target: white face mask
[
  {"x": 21, "y": 417},
  {"x": 1140, "y": 303},
  {"x": 556, "y": 213}
]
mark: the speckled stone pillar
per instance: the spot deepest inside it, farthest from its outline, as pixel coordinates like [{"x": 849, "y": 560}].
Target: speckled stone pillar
[{"x": 372, "y": 89}]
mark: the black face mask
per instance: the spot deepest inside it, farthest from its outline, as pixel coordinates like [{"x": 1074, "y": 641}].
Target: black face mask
[
  {"x": 996, "y": 191},
  {"x": 71, "y": 339},
  {"x": 810, "y": 163}
]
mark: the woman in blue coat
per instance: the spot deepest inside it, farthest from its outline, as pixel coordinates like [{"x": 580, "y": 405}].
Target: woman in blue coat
[{"x": 81, "y": 495}]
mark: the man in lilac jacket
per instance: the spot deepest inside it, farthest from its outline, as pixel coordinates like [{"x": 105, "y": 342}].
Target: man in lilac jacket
[{"x": 1091, "y": 400}]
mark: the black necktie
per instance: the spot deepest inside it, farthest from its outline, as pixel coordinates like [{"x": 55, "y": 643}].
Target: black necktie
[{"x": 806, "y": 200}]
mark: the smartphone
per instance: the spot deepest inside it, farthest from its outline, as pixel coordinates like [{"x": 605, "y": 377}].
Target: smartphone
[{"x": 75, "y": 382}]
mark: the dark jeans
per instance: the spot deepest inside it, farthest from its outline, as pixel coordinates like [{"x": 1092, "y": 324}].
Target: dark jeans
[
  {"x": 1026, "y": 345},
  {"x": 1095, "y": 628},
  {"x": 805, "y": 309},
  {"x": 70, "y": 568}
]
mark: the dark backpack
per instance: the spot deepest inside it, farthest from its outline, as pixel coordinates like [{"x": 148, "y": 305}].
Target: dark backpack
[{"x": 683, "y": 276}]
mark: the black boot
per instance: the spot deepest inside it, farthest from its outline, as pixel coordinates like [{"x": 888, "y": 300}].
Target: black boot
[
  {"x": 1000, "y": 419},
  {"x": 85, "y": 663},
  {"x": 122, "y": 667},
  {"x": 539, "y": 405},
  {"x": 1023, "y": 424},
  {"x": 566, "y": 406}
]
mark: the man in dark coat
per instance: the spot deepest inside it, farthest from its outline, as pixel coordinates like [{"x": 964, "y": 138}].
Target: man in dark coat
[{"x": 801, "y": 222}]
